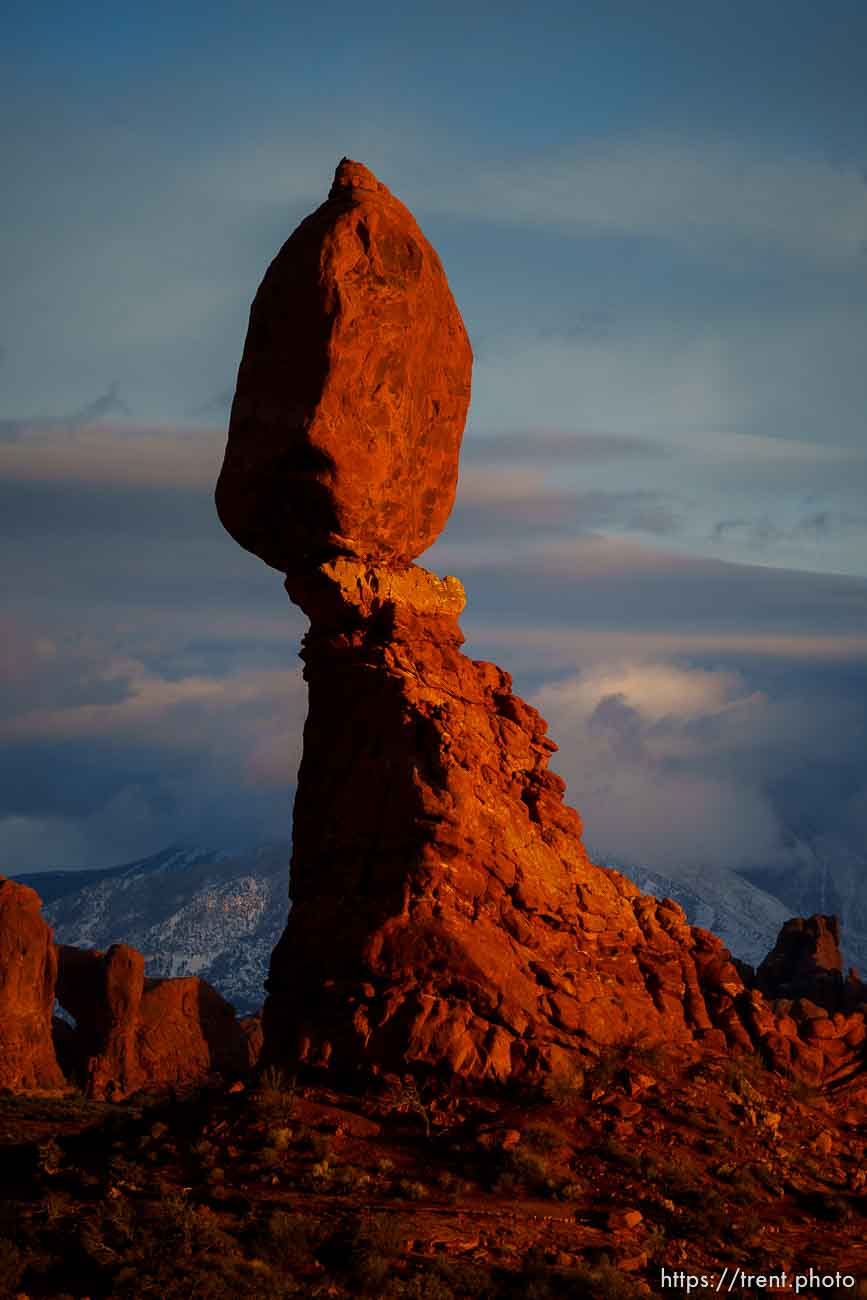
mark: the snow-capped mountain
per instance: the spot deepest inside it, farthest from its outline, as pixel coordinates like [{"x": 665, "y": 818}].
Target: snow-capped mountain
[
  {"x": 746, "y": 918},
  {"x": 743, "y": 916},
  {"x": 823, "y": 874},
  {"x": 194, "y": 911},
  {"x": 189, "y": 911}
]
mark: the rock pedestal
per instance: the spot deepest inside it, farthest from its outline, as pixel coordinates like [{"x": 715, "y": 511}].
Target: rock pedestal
[{"x": 445, "y": 913}]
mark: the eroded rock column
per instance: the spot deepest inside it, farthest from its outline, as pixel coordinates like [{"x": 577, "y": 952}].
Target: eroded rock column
[{"x": 28, "y": 969}]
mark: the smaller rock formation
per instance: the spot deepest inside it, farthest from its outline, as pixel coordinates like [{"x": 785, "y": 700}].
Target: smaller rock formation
[
  {"x": 27, "y": 971},
  {"x": 132, "y": 1032},
  {"x": 806, "y": 962},
  {"x": 103, "y": 993},
  {"x": 352, "y": 390}
]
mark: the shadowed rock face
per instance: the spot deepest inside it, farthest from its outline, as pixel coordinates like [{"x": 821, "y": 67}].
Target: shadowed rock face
[
  {"x": 352, "y": 391},
  {"x": 133, "y": 1032},
  {"x": 28, "y": 966},
  {"x": 806, "y": 962}
]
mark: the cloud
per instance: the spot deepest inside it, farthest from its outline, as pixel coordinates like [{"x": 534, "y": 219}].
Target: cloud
[
  {"x": 676, "y": 764},
  {"x": 634, "y": 743},
  {"x": 553, "y": 446},
  {"x": 101, "y": 754},
  {"x": 695, "y": 191},
  {"x": 93, "y": 412},
  {"x": 493, "y": 500},
  {"x": 555, "y": 646},
  {"x": 161, "y": 457}
]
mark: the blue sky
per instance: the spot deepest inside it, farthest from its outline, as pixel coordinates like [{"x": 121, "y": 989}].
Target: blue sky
[{"x": 654, "y": 220}]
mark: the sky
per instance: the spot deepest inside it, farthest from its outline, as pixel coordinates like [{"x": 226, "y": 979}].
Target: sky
[{"x": 654, "y": 222}]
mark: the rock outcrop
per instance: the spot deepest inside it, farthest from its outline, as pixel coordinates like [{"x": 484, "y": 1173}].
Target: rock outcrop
[
  {"x": 806, "y": 962},
  {"x": 352, "y": 390},
  {"x": 132, "y": 1032},
  {"x": 27, "y": 971},
  {"x": 445, "y": 914}
]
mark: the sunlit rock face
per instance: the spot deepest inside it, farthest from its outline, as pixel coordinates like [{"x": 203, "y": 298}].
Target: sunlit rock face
[
  {"x": 445, "y": 914},
  {"x": 28, "y": 968},
  {"x": 352, "y": 391}
]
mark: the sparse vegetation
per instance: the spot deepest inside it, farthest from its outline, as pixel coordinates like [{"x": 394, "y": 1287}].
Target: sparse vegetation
[
  {"x": 275, "y": 1095},
  {"x": 405, "y": 1097},
  {"x": 226, "y": 1196}
]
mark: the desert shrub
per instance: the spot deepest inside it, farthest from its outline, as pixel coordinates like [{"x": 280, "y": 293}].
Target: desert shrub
[
  {"x": 204, "y": 1151},
  {"x": 707, "y": 1219},
  {"x": 281, "y": 1137},
  {"x": 405, "y": 1097},
  {"x": 351, "y": 1179},
  {"x": 287, "y": 1243},
  {"x": 268, "y": 1157},
  {"x": 613, "y": 1151},
  {"x": 365, "y": 1249},
  {"x": 803, "y": 1092},
  {"x": 743, "y": 1075},
  {"x": 276, "y": 1094},
  {"x": 12, "y": 1263},
  {"x": 564, "y": 1086},
  {"x": 631, "y": 1053},
  {"x": 540, "y": 1138},
  {"x": 531, "y": 1170},
  {"x": 319, "y": 1145},
  {"x": 321, "y": 1175},
  {"x": 467, "y": 1281}
]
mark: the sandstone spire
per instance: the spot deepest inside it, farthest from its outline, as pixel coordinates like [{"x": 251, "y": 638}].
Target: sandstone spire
[{"x": 28, "y": 968}]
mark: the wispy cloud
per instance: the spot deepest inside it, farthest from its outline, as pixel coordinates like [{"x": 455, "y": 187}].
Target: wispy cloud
[
  {"x": 687, "y": 189},
  {"x": 555, "y": 446},
  {"x": 159, "y": 457}
]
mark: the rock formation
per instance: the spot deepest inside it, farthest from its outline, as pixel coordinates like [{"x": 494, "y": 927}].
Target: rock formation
[
  {"x": 352, "y": 390},
  {"x": 445, "y": 914},
  {"x": 132, "y": 1032},
  {"x": 806, "y": 962},
  {"x": 27, "y": 970}
]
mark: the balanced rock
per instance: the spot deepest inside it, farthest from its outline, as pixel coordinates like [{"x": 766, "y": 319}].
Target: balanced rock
[
  {"x": 27, "y": 971},
  {"x": 132, "y": 1032},
  {"x": 446, "y": 917},
  {"x": 352, "y": 392}
]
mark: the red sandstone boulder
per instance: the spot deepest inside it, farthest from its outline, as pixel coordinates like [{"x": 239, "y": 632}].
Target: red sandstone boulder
[
  {"x": 132, "y": 1032},
  {"x": 352, "y": 391},
  {"x": 187, "y": 1030},
  {"x": 27, "y": 971}
]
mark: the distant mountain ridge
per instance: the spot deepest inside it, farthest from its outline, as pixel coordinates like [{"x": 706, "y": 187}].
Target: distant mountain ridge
[
  {"x": 734, "y": 906},
  {"x": 204, "y": 911},
  {"x": 189, "y": 911}
]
